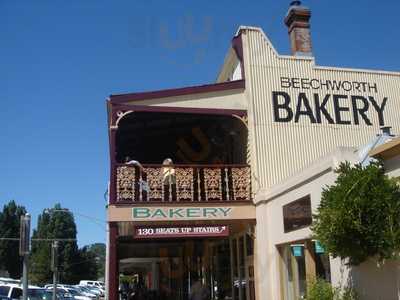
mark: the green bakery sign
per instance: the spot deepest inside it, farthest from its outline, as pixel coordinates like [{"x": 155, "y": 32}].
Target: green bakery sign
[{"x": 184, "y": 213}]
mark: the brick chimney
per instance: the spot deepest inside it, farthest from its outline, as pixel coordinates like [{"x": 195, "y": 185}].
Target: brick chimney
[{"x": 298, "y": 22}]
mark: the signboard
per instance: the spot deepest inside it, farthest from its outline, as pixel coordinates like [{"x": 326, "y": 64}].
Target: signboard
[
  {"x": 297, "y": 214},
  {"x": 353, "y": 109},
  {"x": 184, "y": 213},
  {"x": 159, "y": 232},
  {"x": 297, "y": 250},
  {"x": 319, "y": 249}
]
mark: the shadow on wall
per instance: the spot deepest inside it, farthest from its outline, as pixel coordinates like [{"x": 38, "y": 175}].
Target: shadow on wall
[{"x": 376, "y": 282}]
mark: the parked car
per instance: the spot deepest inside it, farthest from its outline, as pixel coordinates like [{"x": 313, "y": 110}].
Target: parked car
[
  {"x": 6, "y": 280},
  {"x": 14, "y": 292},
  {"x": 98, "y": 284},
  {"x": 76, "y": 294},
  {"x": 94, "y": 289},
  {"x": 70, "y": 292},
  {"x": 61, "y": 293},
  {"x": 38, "y": 294},
  {"x": 85, "y": 291},
  {"x": 59, "y": 285}
]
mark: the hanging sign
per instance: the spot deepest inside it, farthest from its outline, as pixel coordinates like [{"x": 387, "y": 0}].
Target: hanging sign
[
  {"x": 319, "y": 249},
  {"x": 297, "y": 250},
  {"x": 158, "y": 232}
]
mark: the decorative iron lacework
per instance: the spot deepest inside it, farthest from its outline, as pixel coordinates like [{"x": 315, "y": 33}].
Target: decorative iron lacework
[
  {"x": 126, "y": 183},
  {"x": 212, "y": 184},
  {"x": 192, "y": 183},
  {"x": 184, "y": 183},
  {"x": 241, "y": 183},
  {"x": 155, "y": 184}
]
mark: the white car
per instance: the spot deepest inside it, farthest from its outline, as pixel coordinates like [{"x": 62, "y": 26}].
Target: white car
[
  {"x": 85, "y": 291},
  {"x": 98, "y": 284},
  {"x": 94, "y": 289},
  {"x": 14, "y": 291}
]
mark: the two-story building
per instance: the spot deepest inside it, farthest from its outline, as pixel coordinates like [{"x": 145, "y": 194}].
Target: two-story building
[{"x": 205, "y": 181}]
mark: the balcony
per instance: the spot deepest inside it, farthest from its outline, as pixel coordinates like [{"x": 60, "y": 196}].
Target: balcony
[{"x": 182, "y": 183}]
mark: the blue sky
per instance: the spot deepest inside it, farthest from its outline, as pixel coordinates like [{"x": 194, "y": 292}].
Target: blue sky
[{"x": 60, "y": 60}]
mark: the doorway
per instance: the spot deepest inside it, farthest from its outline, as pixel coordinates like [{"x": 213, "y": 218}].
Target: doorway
[{"x": 208, "y": 269}]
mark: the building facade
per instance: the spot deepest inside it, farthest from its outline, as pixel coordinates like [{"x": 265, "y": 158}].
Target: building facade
[{"x": 212, "y": 187}]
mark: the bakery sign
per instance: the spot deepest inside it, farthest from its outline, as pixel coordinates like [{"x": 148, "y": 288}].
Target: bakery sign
[
  {"x": 353, "y": 102},
  {"x": 180, "y": 213},
  {"x": 159, "y": 232},
  {"x": 177, "y": 213}
]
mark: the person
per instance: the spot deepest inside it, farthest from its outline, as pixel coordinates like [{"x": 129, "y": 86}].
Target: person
[
  {"x": 168, "y": 172},
  {"x": 142, "y": 183},
  {"x": 124, "y": 290},
  {"x": 198, "y": 291},
  {"x": 129, "y": 161},
  {"x": 168, "y": 178}
]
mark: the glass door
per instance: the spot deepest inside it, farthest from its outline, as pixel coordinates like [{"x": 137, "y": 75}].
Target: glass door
[{"x": 242, "y": 267}]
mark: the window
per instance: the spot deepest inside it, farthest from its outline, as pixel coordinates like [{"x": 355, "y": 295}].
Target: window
[
  {"x": 4, "y": 290},
  {"x": 16, "y": 293},
  {"x": 298, "y": 262}
]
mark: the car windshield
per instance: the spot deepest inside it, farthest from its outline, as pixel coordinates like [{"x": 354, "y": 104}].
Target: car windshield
[{"x": 4, "y": 290}]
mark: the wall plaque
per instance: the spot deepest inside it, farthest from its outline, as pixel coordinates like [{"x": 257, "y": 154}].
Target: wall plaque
[{"x": 297, "y": 214}]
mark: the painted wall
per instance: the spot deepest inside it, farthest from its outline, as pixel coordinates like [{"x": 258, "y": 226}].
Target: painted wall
[
  {"x": 371, "y": 281},
  {"x": 392, "y": 166},
  {"x": 229, "y": 99},
  {"x": 270, "y": 228},
  {"x": 299, "y": 112},
  {"x": 374, "y": 282}
]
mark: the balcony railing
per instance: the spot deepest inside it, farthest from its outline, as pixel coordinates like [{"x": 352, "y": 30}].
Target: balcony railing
[{"x": 182, "y": 183}]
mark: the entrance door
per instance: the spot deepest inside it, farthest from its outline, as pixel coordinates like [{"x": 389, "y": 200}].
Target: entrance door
[{"x": 242, "y": 267}]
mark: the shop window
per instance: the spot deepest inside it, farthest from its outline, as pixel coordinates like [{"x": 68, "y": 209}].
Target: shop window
[
  {"x": 293, "y": 271},
  {"x": 322, "y": 264},
  {"x": 297, "y": 214},
  {"x": 301, "y": 261}
]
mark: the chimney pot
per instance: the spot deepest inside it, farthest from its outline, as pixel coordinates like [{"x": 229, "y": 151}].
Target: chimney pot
[{"x": 298, "y": 22}]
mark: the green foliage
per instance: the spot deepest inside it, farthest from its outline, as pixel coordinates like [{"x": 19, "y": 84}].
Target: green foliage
[
  {"x": 74, "y": 264},
  {"x": 320, "y": 289},
  {"x": 359, "y": 216},
  {"x": 87, "y": 264},
  {"x": 55, "y": 224},
  {"x": 99, "y": 252},
  {"x": 9, "y": 228}
]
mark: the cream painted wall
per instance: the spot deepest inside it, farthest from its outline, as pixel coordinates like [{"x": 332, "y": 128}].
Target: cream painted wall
[
  {"x": 371, "y": 282},
  {"x": 374, "y": 282},
  {"x": 270, "y": 231},
  {"x": 229, "y": 99},
  {"x": 281, "y": 149},
  {"x": 392, "y": 166}
]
